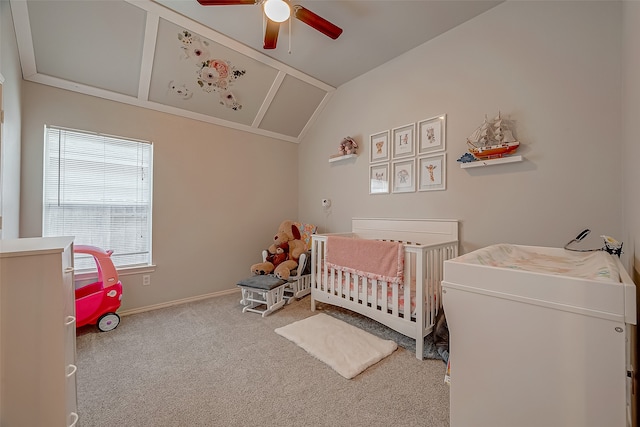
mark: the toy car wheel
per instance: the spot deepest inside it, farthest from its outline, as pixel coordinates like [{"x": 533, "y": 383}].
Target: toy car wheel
[{"x": 108, "y": 322}]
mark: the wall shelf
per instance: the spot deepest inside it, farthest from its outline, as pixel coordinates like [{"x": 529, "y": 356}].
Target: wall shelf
[
  {"x": 489, "y": 162},
  {"x": 339, "y": 158}
]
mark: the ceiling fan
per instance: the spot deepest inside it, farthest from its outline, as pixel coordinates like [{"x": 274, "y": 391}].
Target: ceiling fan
[{"x": 278, "y": 11}]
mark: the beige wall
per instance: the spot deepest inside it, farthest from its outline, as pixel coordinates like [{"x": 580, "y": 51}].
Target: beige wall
[
  {"x": 554, "y": 67},
  {"x": 631, "y": 130},
  {"x": 219, "y": 194},
  {"x": 11, "y": 128}
]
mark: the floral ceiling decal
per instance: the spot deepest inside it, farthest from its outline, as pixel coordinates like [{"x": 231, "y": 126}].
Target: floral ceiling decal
[
  {"x": 180, "y": 90},
  {"x": 193, "y": 47},
  {"x": 212, "y": 74}
]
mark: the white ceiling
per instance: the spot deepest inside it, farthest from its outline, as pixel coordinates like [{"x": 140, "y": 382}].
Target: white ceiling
[{"x": 137, "y": 52}]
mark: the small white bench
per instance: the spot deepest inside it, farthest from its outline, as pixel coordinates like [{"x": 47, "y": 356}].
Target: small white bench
[{"x": 263, "y": 294}]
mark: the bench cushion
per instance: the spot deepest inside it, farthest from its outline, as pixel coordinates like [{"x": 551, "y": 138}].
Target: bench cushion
[{"x": 266, "y": 282}]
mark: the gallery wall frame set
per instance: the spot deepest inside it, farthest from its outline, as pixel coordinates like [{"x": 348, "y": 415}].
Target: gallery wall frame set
[{"x": 409, "y": 158}]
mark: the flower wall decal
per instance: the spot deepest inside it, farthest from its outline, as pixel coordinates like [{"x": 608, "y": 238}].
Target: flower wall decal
[{"x": 212, "y": 74}]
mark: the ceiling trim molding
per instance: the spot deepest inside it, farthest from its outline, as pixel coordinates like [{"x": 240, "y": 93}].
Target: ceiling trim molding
[
  {"x": 315, "y": 115},
  {"x": 20, "y": 14},
  {"x": 87, "y": 90},
  {"x": 148, "y": 54},
  {"x": 269, "y": 98}
]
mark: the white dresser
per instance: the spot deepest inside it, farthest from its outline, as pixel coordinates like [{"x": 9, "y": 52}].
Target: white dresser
[{"x": 37, "y": 333}]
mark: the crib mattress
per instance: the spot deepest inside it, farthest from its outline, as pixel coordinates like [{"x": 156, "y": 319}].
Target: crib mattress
[{"x": 586, "y": 282}]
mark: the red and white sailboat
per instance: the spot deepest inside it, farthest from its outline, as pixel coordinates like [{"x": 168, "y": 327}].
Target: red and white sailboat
[{"x": 493, "y": 139}]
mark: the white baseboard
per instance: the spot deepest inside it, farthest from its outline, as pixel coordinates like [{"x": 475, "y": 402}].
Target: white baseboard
[{"x": 176, "y": 302}]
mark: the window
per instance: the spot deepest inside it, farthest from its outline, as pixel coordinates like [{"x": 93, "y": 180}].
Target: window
[{"x": 98, "y": 188}]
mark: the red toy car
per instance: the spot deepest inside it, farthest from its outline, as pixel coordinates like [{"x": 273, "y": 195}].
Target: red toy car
[{"x": 96, "y": 303}]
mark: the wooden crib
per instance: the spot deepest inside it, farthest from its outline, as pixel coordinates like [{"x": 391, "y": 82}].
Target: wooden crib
[{"x": 426, "y": 243}]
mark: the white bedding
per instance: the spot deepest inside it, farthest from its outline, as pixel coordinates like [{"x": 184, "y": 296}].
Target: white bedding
[{"x": 596, "y": 265}]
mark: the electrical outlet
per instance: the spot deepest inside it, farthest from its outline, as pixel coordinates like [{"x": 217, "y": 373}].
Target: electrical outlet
[{"x": 146, "y": 280}]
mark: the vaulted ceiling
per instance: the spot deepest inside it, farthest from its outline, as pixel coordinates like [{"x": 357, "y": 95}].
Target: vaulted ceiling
[{"x": 207, "y": 63}]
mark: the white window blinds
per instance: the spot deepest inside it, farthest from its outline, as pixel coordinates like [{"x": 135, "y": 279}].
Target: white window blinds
[{"x": 98, "y": 188}]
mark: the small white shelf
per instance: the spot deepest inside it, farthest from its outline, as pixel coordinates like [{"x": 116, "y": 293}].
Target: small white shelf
[
  {"x": 490, "y": 162},
  {"x": 345, "y": 157}
]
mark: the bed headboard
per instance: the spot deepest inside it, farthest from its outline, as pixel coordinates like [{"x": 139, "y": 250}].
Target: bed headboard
[{"x": 421, "y": 231}]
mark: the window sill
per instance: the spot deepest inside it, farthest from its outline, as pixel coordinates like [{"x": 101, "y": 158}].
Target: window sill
[{"x": 125, "y": 271}]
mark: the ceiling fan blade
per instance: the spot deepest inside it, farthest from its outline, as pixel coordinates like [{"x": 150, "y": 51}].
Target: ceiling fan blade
[
  {"x": 317, "y": 22},
  {"x": 271, "y": 34},
  {"x": 225, "y": 2}
]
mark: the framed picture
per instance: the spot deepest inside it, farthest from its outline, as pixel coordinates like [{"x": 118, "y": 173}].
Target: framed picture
[
  {"x": 432, "y": 172},
  {"x": 379, "y": 179},
  {"x": 432, "y": 134},
  {"x": 403, "y": 144},
  {"x": 403, "y": 176},
  {"x": 379, "y": 147}
]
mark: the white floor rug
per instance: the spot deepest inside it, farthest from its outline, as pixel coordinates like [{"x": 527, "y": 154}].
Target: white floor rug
[{"x": 345, "y": 348}]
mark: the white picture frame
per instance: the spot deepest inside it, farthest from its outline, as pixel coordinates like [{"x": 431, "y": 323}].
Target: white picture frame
[
  {"x": 404, "y": 176},
  {"x": 432, "y": 172},
  {"x": 403, "y": 139},
  {"x": 379, "y": 178},
  {"x": 379, "y": 147},
  {"x": 432, "y": 134}
]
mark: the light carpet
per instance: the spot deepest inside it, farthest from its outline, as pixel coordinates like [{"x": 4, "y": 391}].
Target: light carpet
[{"x": 347, "y": 349}]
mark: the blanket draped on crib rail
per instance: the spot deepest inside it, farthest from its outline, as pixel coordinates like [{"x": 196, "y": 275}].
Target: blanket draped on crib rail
[{"x": 375, "y": 259}]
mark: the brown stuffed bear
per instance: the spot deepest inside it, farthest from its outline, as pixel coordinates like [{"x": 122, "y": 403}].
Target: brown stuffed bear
[
  {"x": 287, "y": 233},
  {"x": 281, "y": 255}
]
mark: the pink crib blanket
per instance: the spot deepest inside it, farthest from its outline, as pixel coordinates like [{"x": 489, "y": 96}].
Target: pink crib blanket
[{"x": 374, "y": 259}]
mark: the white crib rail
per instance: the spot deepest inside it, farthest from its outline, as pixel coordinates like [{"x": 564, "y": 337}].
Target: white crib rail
[{"x": 423, "y": 267}]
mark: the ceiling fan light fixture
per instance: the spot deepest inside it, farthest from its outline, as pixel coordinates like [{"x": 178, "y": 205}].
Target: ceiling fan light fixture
[{"x": 277, "y": 10}]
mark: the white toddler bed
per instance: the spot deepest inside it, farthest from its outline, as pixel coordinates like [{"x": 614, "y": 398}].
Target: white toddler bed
[{"x": 422, "y": 247}]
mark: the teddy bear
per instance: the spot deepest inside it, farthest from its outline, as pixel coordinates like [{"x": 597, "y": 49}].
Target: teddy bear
[
  {"x": 281, "y": 255},
  {"x": 287, "y": 233},
  {"x": 348, "y": 146}
]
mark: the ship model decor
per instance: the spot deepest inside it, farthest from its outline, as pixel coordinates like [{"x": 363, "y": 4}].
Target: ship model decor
[{"x": 493, "y": 139}]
